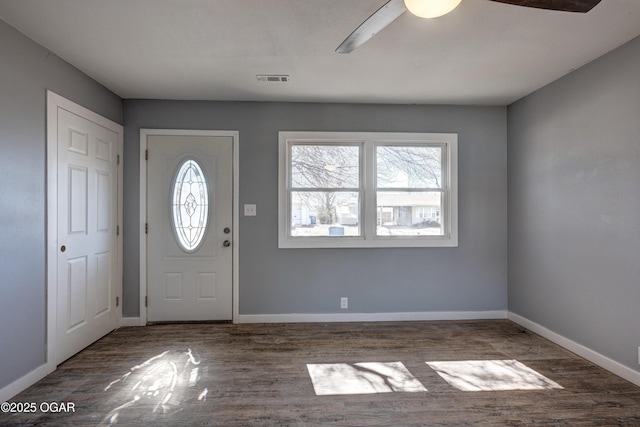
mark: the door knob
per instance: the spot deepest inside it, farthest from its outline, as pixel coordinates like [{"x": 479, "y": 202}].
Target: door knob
[
  {"x": 63, "y": 248},
  {"x": 226, "y": 244},
  {"x": 227, "y": 230}
]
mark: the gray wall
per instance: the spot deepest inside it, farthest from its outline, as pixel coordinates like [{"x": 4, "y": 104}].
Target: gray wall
[
  {"x": 27, "y": 70},
  {"x": 574, "y": 205},
  {"x": 472, "y": 277}
]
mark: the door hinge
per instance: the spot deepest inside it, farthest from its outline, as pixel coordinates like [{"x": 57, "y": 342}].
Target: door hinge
[
  {"x": 146, "y": 154},
  {"x": 117, "y": 301},
  {"x": 146, "y": 228},
  {"x": 118, "y": 157},
  {"x": 117, "y": 230},
  {"x": 146, "y": 301}
]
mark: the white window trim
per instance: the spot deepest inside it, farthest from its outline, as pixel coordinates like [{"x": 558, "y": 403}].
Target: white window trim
[{"x": 368, "y": 204}]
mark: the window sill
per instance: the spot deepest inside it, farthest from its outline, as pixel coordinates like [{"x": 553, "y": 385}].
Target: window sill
[{"x": 359, "y": 242}]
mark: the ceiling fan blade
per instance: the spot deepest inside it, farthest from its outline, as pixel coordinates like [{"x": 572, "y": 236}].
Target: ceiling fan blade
[
  {"x": 382, "y": 17},
  {"x": 582, "y": 6}
]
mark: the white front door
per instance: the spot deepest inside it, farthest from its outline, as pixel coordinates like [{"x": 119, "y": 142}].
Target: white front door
[
  {"x": 87, "y": 252},
  {"x": 189, "y": 227}
]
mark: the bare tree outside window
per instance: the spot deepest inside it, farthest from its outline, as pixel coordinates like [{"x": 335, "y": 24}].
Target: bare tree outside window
[
  {"x": 325, "y": 180},
  {"x": 408, "y": 166},
  {"x": 325, "y": 166}
]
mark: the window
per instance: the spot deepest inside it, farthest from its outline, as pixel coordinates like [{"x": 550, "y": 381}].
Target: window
[
  {"x": 409, "y": 184},
  {"x": 325, "y": 189},
  {"x": 348, "y": 189},
  {"x": 189, "y": 205}
]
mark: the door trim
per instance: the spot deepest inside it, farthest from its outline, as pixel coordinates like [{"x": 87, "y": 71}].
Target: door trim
[
  {"x": 144, "y": 134},
  {"x": 54, "y": 102}
]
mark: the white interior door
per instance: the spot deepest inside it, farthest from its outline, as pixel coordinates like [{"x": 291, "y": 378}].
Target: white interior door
[
  {"x": 189, "y": 227},
  {"x": 87, "y": 260}
]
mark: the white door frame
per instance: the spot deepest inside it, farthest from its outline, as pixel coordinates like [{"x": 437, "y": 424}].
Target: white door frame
[
  {"x": 144, "y": 133},
  {"x": 54, "y": 102}
]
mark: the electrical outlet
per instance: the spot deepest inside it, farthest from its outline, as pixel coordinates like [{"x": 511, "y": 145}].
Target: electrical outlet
[{"x": 344, "y": 302}]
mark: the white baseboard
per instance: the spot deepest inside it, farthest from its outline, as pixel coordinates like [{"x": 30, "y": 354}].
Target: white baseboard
[
  {"x": 582, "y": 351},
  {"x": 371, "y": 317},
  {"x": 24, "y": 382},
  {"x": 129, "y": 321}
]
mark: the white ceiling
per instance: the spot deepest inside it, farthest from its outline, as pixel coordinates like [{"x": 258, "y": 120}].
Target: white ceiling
[{"x": 483, "y": 53}]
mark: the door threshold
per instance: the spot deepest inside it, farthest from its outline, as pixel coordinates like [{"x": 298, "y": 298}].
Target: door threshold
[{"x": 188, "y": 322}]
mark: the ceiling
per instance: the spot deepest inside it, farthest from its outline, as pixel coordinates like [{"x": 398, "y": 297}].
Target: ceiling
[{"x": 483, "y": 53}]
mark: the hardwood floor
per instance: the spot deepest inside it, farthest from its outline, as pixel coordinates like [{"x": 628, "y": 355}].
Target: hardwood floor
[{"x": 256, "y": 375}]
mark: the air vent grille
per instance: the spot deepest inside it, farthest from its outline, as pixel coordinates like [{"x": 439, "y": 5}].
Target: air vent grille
[{"x": 273, "y": 78}]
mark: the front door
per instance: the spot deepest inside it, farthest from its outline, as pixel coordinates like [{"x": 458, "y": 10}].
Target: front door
[
  {"x": 87, "y": 260},
  {"x": 189, "y": 227}
]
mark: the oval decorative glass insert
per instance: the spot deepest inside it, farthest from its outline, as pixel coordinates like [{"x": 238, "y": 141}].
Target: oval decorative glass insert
[{"x": 190, "y": 205}]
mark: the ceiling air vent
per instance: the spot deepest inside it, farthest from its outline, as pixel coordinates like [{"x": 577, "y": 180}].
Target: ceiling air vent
[{"x": 273, "y": 77}]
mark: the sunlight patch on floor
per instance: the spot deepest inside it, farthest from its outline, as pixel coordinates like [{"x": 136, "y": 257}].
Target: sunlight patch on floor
[
  {"x": 492, "y": 375},
  {"x": 362, "y": 378},
  {"x": 163, "y": 382}
]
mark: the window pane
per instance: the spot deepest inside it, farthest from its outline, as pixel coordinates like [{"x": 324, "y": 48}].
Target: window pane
[
  {"x": 409, "y": 213},
  {"x": 325, "y": 166},
  {"x": 190, "y": 205},
  {"x": 325, "y": 213},
  {"x": 409, "y": 167}
]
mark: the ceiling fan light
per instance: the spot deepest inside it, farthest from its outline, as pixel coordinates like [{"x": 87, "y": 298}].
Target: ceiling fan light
[{"x": 431, "y": 8}]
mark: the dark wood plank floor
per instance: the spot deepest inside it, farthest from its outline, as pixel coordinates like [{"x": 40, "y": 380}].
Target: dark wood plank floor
[{"x": 255, "y": 375}]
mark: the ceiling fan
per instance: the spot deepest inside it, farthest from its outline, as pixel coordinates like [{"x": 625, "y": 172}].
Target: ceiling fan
[{"x": 392, "y": 9}]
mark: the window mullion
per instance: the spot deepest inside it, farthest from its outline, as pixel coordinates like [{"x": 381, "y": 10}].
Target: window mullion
[{"x": 368, "y": 187}]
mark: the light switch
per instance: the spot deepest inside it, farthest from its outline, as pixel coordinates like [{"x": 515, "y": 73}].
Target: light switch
[{"x": 249, "y": 210}]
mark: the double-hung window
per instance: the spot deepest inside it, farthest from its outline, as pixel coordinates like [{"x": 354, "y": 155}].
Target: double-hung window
[{"x": 355, "y": 189}]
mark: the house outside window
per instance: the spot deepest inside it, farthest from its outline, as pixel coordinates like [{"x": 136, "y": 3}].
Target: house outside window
[
  {"x": 426, "y": 213},
  {"x": 348, "y": 189}
]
